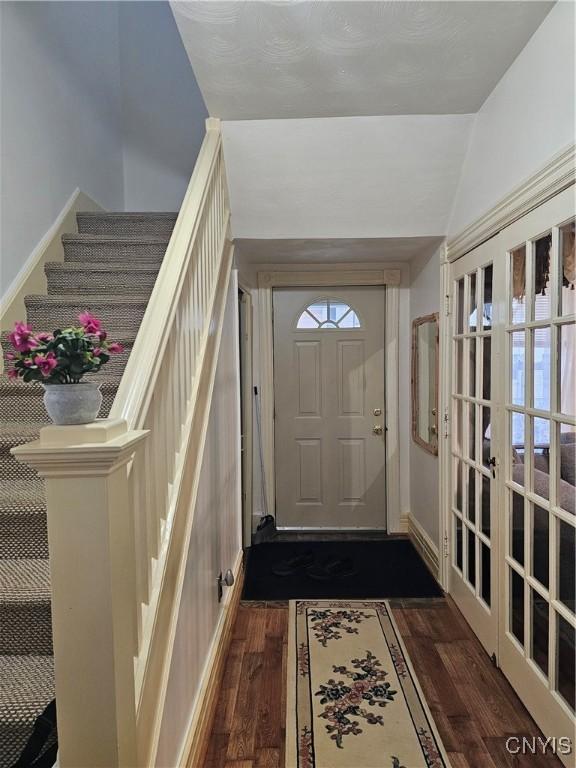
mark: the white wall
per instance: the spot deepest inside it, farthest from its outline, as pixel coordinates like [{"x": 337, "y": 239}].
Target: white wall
[
  {"x": 424, "y": 467},
  {"x": 527, "y": 119},
  {"x": 94, "y": 95},
  {"x": 163, "y": 112},
  {"x": 349, "y": 177},
  {"x": 60, "y": 120},
  {"x": 214, "y": 545}
]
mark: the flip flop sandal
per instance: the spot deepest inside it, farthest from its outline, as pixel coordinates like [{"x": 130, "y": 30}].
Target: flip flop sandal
[
  {"x": 292, "y": 565},
  {"x": 332, "y": 568}
]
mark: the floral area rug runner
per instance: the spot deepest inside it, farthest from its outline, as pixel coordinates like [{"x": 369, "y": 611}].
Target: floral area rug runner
[{"x": 353, "y": 699}]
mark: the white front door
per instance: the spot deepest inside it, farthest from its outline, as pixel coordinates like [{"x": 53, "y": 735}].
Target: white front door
[{"x": 329, "y": 408}]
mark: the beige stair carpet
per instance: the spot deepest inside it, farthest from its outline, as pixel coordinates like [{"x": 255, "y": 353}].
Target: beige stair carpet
[{"x": 110, "y": 267}]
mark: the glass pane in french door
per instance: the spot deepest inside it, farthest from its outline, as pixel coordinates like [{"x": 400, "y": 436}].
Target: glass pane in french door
[
  {"x": 538, "y": 619},
  {"x": 473, "y": 575}
]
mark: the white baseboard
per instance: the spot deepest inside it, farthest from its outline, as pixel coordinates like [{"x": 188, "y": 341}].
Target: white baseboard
[
  {"x": 423, "y": 543},
  {"x": 31, "y": 279}
]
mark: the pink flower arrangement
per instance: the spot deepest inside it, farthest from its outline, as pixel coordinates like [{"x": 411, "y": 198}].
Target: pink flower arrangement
[
  {"x": 61, "y": 357},
  {"x": 22, "y": 338},
  {"x": 90, "y": 323}
]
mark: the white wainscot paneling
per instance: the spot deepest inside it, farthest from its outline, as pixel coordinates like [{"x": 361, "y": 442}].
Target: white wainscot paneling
[{"x": 214, "y": 545}]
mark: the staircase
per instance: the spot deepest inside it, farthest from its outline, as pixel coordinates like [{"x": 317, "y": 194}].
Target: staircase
[{"x": 109, "y": 268}]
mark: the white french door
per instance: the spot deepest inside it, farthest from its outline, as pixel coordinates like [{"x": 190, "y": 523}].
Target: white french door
[
  {"x": 474, "y": 497},
  {"x": 513, "y": 453},
  {"x": 537, "y": 621}
]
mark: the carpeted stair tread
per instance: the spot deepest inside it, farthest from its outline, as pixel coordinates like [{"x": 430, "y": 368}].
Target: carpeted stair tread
[
  {"x": 119, "y": 277},
  {"x": 23, "y": 528},
  {"x": 25, "y": 616},
  {"x": 14, "y": 432},
  {"x": 25, "y": 580},
  {"x": 87, "y": 249},
  {"x": 109, "y": 269},
  {"x": 22, "y": 497},
  {"x": 26, "y": 687},
  {"x": 88, "y": 237},
  {"x": 101, "y": 267},
  {"x": 126, "y": 223},
  {"x": 121, "y": 315}
]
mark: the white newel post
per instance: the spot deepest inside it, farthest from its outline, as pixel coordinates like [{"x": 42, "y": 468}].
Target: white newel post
[{"x": 91, "y": 543}]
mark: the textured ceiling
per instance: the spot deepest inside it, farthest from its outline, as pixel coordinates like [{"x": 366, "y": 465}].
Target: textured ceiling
[
  {"x": 327, "y": 58},
  {"x": 334, "y": 251}
]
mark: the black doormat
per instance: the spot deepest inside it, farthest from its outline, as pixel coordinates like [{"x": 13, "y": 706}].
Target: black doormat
[{"x": 385, "y": 568}]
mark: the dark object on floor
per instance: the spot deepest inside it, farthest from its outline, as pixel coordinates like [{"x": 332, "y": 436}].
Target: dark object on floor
[
  {"x": 291, "y": 566},
  {"x": 385, "y": 568},
  {"x": 266, "y": 530},
  {"x": 332, "y": 568},
  {"x": 41, "y": 748}
]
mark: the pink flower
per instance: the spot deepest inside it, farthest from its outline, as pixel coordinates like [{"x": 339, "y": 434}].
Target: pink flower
[
  {"x": 21, "y": 338},
  {"x": 102, "y": 335},
  {"x": 97, "y": 352},
  {"x": 12, "y": 373},
  {"x": 46, "y": 363},
  {"x": 43, "y": 337},
  {"x": 90, "y": 323},
  {"x": 10, "y": 356},
  {"x": 114, "y": 348}
]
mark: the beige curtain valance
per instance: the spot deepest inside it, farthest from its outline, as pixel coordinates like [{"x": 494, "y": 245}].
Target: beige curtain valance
[{"x": 542, "y": 264}]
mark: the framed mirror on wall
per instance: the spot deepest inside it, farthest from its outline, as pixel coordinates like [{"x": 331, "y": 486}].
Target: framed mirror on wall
[{"x": 425, "y": 344}]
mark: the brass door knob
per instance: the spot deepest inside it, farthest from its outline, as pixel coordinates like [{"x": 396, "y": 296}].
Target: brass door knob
[{"x": 377, "y": 429}]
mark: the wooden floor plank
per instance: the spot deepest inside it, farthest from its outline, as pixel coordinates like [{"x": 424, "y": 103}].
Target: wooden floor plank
[
  {"x": 473, "y": 705},
  {"x": 269, "y": 703},
  {"x": 241, "y": 744},
  {"x": 268, "y": 758},
  {"x": 217, "y": 748}
]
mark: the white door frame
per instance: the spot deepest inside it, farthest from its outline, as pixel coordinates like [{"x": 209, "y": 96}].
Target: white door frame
[
  {"x": 444, "y": 394},
  {"x": 329, "y": 276},
  {"x": 245, "y": 352}
]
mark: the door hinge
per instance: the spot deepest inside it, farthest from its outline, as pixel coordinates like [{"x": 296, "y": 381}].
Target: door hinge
[
  {"x": 446, "y": 421},
  {"x": 446, "y": 546},
  {"x": 447, "y": 304}
]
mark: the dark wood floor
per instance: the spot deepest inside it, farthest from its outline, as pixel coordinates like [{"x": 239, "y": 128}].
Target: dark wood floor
[{"x": 474, "y": 707}]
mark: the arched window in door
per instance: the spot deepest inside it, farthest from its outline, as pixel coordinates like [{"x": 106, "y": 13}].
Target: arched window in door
[{"x": 328, "y": 313}]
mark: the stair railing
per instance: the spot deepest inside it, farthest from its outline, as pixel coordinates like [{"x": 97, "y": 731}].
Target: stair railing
[
  {"x": 166, "y": 389},
  {"x": 116, "y": 585}
]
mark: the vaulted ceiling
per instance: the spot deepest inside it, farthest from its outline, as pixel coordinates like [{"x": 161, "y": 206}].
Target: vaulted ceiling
[
  {"x": 336, "y": 58},
  {"x": 346, "y": 123}
]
